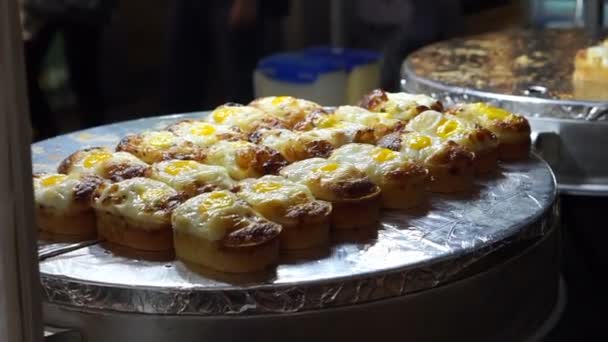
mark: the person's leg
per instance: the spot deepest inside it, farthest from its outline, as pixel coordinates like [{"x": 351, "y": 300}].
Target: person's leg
[
  {"x": 187, "y": 56},
  {"x": 81, "y": 48},
  {"x": 35, "y": 50}
]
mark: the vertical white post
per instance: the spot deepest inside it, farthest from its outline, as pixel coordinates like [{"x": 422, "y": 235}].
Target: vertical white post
[{"x": 20, "y": 317}]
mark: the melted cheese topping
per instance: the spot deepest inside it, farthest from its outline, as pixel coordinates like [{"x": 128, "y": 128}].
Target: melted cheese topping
[
  {"x": 203, "y": 134},
  {"x": 223, "y": 154},
  {"x": 403, "y": 106},
  {"x": 418, "y": 146},
  {"x": 321, "y": 175},
  {"x": 375, "y": 162},
  {"x": 364, "y": 117},
  {"x": 182, "y": 174},
  {"x": 273, "y": 195},
  {"x": 450, "y": 127},
  {"x": 494, "y": 119},
  {"x": 285, "y": 107},
  {"x": 598, "y": 54},
  {"x": 138, "y": 199},
  {"x": 282, "y": 140},
  {"x": 98, "y": 161},
  {"x": 211, "y": 215},
  {"x": 55, "y": 191},
  {"x": 243, "y": 117}
]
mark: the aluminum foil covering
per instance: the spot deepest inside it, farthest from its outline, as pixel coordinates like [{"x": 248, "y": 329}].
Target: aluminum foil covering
[
  {"x": 527, "y": 71},
  {"x": 413, "y": 250}
]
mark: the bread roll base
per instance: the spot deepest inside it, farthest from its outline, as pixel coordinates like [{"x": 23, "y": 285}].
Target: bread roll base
[
  {"x": 69, "y": 227},
  {"x": 404, "y": 195},
  {"x": 361, "y": 213},
  {"x": 118, "y": 231},
  {"x": 212, "y": 254},
  {"x": 304, "y": 235},
  {"x": 514, "y": 151},
  {"x": 446, "y": 179},
  {"x": 486, "y": 162}
]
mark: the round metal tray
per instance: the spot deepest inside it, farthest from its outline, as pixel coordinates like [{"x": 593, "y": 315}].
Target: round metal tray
[
  {"x": 528, "y": 72},
  {"x": 451, "y": 238}
]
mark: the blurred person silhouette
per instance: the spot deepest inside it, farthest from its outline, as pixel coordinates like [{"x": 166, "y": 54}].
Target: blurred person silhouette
[
  {"x": 80, "y": 22},
  {"x": 213, "y": 49},
  {"x": 398, "y": 27}
]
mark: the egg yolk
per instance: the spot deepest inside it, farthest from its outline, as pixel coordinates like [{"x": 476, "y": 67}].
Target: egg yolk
[
  {"x": 150, "y": 195},
  {"x": 220, "y": 115},
  {"x": 490, "y": 112},
  {"x": 202, "y": 130},
  {"x": 52, "y": 180},
  {"x": 161, "y": 139},
  {"x": 279, "y": 100},
  {"x": 384, "y": 155},
  {"x": 95, "y": 158},
  {"x": 419, "y": 142},
  {"x": 328, "y": 121},
  {"x": 447, "y": 128},
  {"x": 263, "y": 187},
  {"x": 328, "y": 167},
  {"x": 216, "y": 200},
  {"x": 179, "y": 166}
]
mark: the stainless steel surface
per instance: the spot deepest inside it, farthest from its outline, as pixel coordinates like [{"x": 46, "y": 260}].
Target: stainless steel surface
[
  {"x": 594, "y": 17},
  {"x": 413, "y": 250},
  {"x": 46, "y": 251},
  {"x": 570, "y": 130},
  {"x": 506, "y": 303}
]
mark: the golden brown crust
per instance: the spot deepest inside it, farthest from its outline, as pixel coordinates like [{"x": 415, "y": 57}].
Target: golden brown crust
[
  {"x": 186, "y": 150},
  {"x": 309, "y": 212},
  {"x": 164, "y": 208},
  {"x": 123, "y": 171},
  {"x": 451, "y": 169},
  {"x": 311, "y": 120},
  {"x": 373, "y": 99},
  {"x": 355, "y": 188},
  {"x": 85, "y": 189},
  {"x": 392, "y": 141},
  {"x": 318, "y": 148},
  {"x": 235, "y": 134},
  {"x": 264, "y": 160},
  {"x": 256, "y": 233},
  {"x": 66, "y": 164},
  {"x": 120, "y": 231}
]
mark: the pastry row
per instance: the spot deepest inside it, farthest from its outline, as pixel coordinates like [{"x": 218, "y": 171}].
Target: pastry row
[{"x": 229, "y": 191}]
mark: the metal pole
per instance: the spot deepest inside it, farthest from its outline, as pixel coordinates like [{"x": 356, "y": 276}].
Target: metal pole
[
  {"x": 337, "y": 25},
  {"x": 20, "y": 304},
  {"x": 594, "y": 17}
]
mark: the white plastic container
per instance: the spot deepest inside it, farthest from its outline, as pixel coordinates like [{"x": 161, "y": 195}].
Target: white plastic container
[
  {"x": 362, "y": 67},
  {"x": 314, "y": 78},
  {"x": 329, "y": 76}
]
